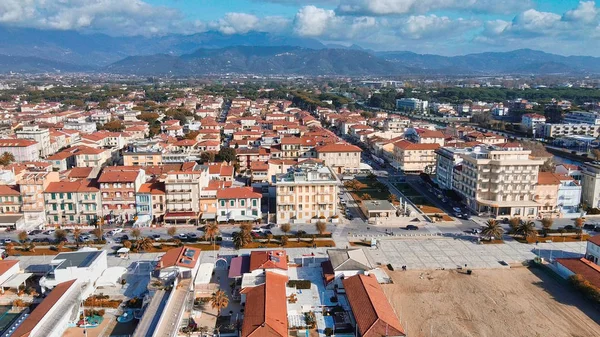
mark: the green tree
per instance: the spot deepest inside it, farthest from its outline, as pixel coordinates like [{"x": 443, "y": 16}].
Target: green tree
[
  {"x": 547, "y": 224},
  {"x": 492, "y": 229},
  {"x": 60, "y": 234},
  {"x": 227, "y": 154},
  {"x": 114, "y": 125},
  {"x": 285, "y": 228},
  {"x": 514, "y": 224},
  {"x": 207, "y": 157},
  {"x": 527, "y": 229},
  {"x": 6, "y": 158}
]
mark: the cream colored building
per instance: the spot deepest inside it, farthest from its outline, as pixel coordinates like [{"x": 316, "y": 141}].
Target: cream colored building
[
  {"x": 309, "y": 192},
  {"x": 183, "y": 195},
  {"x": 546, "y": 194},
  {"x": 500, "y": 180},
  {"x": 413, "y": 157},
  {"x": 142, "y": 158},
  {"x": 340, "y": 157},
  {"x": 32, "y": 187}
]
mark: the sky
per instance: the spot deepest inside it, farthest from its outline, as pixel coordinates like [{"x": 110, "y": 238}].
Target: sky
[{"x": 445, "y": 27}]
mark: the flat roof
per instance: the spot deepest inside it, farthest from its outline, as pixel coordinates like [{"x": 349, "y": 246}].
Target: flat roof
[
  {"x": 10, "y": 219},
  {"x": 378, "y": 205},
  {"x": 16, "y": 280},
  {"x": 76, "y": 259}
]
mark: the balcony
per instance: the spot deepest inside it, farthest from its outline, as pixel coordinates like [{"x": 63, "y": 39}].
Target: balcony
[{"x": 179, "y": 191}]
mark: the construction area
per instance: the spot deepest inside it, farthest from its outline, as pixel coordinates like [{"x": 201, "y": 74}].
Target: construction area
[{"x": 511, "y": 302}]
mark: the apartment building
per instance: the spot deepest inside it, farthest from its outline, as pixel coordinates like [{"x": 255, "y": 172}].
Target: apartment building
[
  {"x": 569, "y": 195},
  {"x": 151, "y": 202},
  {"x": 560, "y": 130},
  {"x": 297, "y": 147},
  {"x": 396, "y": 123},
  {"x": 414, "y": 158},
  {"x": 21, "y": 149},
  {"x": 582, "y": 117},
  {"x": 119, "y": 186},
  {"x": 447, "y": 159},
  {"x": 425, "y": 136},
  {"x": 142, "y": 158},
  {"x": 183, "y": 195},
  {"x": 10, "y": 199},
  {"x": 499, "y": 180},
  {"x": 340, "y": 157},
  {"x": 411, "y": 104},
  {"x": 307, "y": 193},
  {"x": 546, "y": 194},
  {"x": 32, "y": 186},
  {"x": 530, "y": 121},
  {"x": 72, "y": 203},
  {"x": 90, "y": 157},
  {"x": 238, "y": 204},
  {"x": 40, "y": 135}
]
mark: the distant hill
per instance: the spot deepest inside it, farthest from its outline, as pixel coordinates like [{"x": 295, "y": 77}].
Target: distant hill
[
  {"x": 260, "y": 60},
  {"x": 32, "y": 50}
]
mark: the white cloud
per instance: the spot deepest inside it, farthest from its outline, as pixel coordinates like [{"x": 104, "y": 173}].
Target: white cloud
[
  {"x": 420, "y": 26},
  {"x": 242, "y": 23},
  {"x": 313, "y": 21},
  {"x": 586, "y": 12},
  {"x": 394, "y": 7}
]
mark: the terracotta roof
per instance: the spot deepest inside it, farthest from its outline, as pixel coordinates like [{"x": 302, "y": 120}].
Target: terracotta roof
[
  {"x": 80, "y": 172},
  {"x": 509, "y": 145},
  {"x": 595, "y": 240},
  {"x": 583, "y": 267},
  {"x": 5, "y": 265},
  {"x": 238, "y": 193},
  {"x": 548, "y": 178},
  {"x": 424, "y": 133},
  {"x": 9, "y": 190},
  {"x": 71, "y": 186},
  {"x": 338, "y": 148},
  {"x": 214, "y": 185},
  {"x": 406, "y": 145},
  {"x": 118, "y": 176},
  {"x": 268, "y": 317},
  {"x": 186, "y": 257},
  {"x": 156, "y": 187},
  {"x": 26, "y": 328},
  {"x": 372, "y": 311},
  {"x": 16, "y": 142},
  {"x": 271, "y": 259}
]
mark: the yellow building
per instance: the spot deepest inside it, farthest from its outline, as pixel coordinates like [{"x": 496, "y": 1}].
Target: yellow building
[
  {"x": 414, "y": 157},
  {"x": 142, "y": 158},
  {"x": 340, "y": 157}
]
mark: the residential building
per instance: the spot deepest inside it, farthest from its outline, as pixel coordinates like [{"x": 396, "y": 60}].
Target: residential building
[
  {"x": 414, "y": 158},
  {"x": 569, "y": 195},
  {"x": 590, "y": 183},
  {"x": 582, "y": 117},
  {"x": 373, "y": 313},
  {"x": 32, "y": 186},
  {"x": 85, "y": 266},
  {"x": 179, "y": 262},
  {"x": 10, "y": 199},
  {"x": 40, "y": 135},
  {"x": 119, "y": 186},
  {"x": 70, "y": 203},
  {"x": 340, "y": 157},
  {"x": 90, "y": 157},
  {"x": 529, "y": 122},
  {"x": 183, "y": 190},
  {"x": 499, "y": 180},
  {"x": 151, "y": 203},
  {"x": 592, "y": 251},
  {"x": 409, "y": 104},
  {"x": 344, "y": 263},
  {"x": 238, "y": 204},
  {"x": 21, "y": 149},
  {"x": 487, "y": 138},
  {"x": 546, "y": 194},
  {"x": 424, "y": 136},
  {"x": 142, "y": 158},
  {"x": 447, "y": 159},
  {"x": 560, "y": 130},
  {"x": 307, "y": 193},
  {"x": 268, "y": 316}
]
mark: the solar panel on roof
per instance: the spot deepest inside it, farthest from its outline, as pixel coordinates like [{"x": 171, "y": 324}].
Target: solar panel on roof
[
  {"x": 190, "y": 253},
  {"x": 275, "y": 259}
]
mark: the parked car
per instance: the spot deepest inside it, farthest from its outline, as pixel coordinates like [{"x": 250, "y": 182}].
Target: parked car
[
  {"x": 182, "y": 236},
  {"x": 191, "y": 235},
  {"x": 115, "y": 231},
  {"x": 124, "y": 237},
  {"x": 475, "y": 231},
  {"x": 156, "y": 237},
  {"x": 412, "y": 227},
  {"x": 35, "y": 232},
  {"x": 49, "y": 232},
  {"x": 257, "y": 230},
  {"x": 590, "y": 226},
  {"x": 569, "y": 227}
]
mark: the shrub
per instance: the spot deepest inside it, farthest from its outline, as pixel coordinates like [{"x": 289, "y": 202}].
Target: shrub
[
  {"x": 299, "y": 284},
  {"x": 328, "y": 332},
  {"x": 585, "y": 287},
  {"x": 390, "y": 267}
]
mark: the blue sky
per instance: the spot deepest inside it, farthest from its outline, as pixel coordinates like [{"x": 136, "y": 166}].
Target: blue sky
[{"x": 448, "y": 27}]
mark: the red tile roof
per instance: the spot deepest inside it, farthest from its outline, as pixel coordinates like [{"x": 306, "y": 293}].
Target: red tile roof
[
  {"x": 26, "y": 328},
  {"x": 583, "y": 267},
  {"x": 548, "y": 178},
  {"x": 272, "y": 259},
  {"x": 9, "y": 190},
  {"x": 186, "y": 257},
  {"x": 16, "y": 142},
  {"x": 153, "y": 188},
  {"x": 338, "y": 148},
  {"x": 238, "y": 193},
  {"x": 71, "y": 186},
  {"x": 118, "y": 176},
  {"x": 80, "y": 172},
  {"x": 5, "y": 265},
  {"x": 374, "y": 315},
  {"x": 406, "y": 145},
  {"x": 268, "y": 304},
  {"x": 595, "y": 240}
]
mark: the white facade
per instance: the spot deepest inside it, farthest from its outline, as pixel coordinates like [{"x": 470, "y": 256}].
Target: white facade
[
  {"x": 585, "y": 117},
  {"x": 41, "y": 136},
  {"x": 569, "y": 196},
  {"x": 447, "y": 159},
  {"x": 560, "y": 130},
  {"x": 411, "y": 104},
  {"x": 85, "y": 265}
]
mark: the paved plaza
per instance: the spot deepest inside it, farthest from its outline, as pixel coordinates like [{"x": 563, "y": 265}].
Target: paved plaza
[{"x": 434, "y": 253}]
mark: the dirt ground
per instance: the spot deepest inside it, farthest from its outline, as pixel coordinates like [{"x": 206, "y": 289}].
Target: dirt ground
[{"x": 501, "y": 302}]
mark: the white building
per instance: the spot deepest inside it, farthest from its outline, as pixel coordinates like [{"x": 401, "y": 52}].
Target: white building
[
  {"x": 41, "y": 136},
  {"x": 569, "y": 195},
  {"x": 85, "y": 266},
  {"x": 447, "y": 159},
  {"x": 582, "y": 117},
  {"x": 411, "y": 104},
  {"x": 530, "y": 122}
]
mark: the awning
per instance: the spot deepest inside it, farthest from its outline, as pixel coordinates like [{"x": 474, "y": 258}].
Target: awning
[
  {"x": 244, "y": 218},
  {"x": 222, "y": 218},
  {"x": 123, "y": 250},
  {"x": 143, "y": 221},
  {"x": 181, "y": 215},
  {"x": 208, "y": 216},
  {"x": 16, "y": 280},
  {"x": 516, "y": 203}
]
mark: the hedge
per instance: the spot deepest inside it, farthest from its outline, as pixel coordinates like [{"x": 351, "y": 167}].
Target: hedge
[
  {"x": 299, "y": 284},
  {"x": 585, "y": 287}
]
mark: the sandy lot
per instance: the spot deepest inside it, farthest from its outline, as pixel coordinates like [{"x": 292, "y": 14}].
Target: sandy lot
[{"x": 502, "y": 302}]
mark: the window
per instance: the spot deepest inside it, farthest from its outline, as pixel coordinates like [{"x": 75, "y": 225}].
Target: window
[
  {"x": 254, "y": 201},
  {"x": 242, "y": 202},
  {"x": 69, "y": 195},
  {"x": 222, "y": 203},
  {"x": 231, "y": 203},
  {"x": 54, "y": 207},
  {"x": 222, "y": 212},
  {"x": 70, "y": 207},
  {"x": 243, "y": 212},
  {"x": 53, "y": 196},
  {"x": 62, "y": 195}
]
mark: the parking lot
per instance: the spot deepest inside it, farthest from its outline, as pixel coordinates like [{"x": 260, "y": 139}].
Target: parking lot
[{"x": 433, "y": 253}]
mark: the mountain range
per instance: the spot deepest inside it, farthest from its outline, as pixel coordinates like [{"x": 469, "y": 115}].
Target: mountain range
[{"x": 31, "y": 50}]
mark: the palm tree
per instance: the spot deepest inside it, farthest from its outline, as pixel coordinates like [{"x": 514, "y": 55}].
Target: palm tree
[
  {"x": 547, "y": 224},
  {"x": 321, "y": 227},
  {"x": 241, "y": 238},
  {"x": 492, "y": 229},
  {"x": 284, "y": 240},
  {"x": 171, "y": 231},
  {"x": 77, "y": 235},
  {"x": 211, "y": 231},
  {"x": 527, "y": 229},
  {"x": 219, "y": 301},
  {"x": 145, "y": 244}
]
